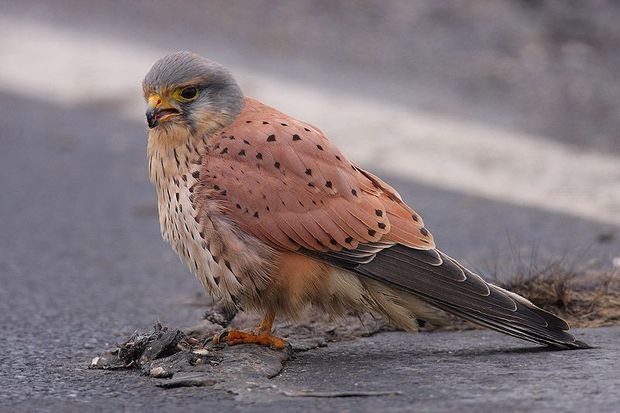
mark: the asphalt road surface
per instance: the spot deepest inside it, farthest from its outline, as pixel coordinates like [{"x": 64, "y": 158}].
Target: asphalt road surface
[{"x": 82, "y": 263}]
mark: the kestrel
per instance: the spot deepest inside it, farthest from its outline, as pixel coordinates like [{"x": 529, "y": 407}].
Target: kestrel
[{"x": 271, "y": 216}]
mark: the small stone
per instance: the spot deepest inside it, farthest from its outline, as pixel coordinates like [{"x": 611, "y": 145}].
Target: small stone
[{"x": 159, "y": 372}]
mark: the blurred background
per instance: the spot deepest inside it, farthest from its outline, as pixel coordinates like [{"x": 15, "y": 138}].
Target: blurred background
[{"x": 498, "y": 121}]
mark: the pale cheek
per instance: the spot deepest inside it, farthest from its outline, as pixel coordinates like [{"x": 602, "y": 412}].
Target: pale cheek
[
  {"x": 203, "y": 121},
  {"x": 192, "y": 120}
]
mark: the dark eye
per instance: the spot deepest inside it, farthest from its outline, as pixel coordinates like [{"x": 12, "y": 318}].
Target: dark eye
[{"x": 189, "y": 93}]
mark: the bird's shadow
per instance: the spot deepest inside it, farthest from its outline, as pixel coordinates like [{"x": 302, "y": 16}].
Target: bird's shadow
[
  {"x": 475, "y": 352},
  {"x": 519, "y": 350},
  {"x": 498, "y": 351}
]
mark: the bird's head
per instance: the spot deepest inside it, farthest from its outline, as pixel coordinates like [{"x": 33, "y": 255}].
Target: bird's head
[{"x": 184, "y": 90}]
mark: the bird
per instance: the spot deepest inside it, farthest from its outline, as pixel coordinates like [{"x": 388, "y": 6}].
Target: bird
[{"x": 272, "y": 217}]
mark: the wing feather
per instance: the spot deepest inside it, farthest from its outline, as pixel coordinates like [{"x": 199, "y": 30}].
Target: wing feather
[{"x": 283, "y": 181}]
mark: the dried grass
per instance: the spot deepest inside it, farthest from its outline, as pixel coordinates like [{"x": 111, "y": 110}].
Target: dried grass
[{"x": 587, "y": 297}]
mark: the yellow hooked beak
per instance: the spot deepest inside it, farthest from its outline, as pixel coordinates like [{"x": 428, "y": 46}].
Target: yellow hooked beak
[{"x": 159, "y": 110}]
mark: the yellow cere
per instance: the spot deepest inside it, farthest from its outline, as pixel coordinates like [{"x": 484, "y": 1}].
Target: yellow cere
[{"x": 154, "y": 100}]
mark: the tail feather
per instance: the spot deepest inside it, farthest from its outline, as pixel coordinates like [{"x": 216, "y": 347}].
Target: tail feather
[
  {"x": 449, "y": 286},
  {"x": 442, "y": 282}
]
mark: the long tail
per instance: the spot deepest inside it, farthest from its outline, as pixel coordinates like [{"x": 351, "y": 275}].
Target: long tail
[{"x": 442, "y": 282}]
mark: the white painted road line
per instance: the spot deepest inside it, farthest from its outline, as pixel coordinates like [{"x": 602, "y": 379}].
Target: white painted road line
[{"x": 54, "y": 64}]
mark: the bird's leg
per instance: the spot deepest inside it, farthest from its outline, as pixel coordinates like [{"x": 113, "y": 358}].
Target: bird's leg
[
  {"x": 266, "y": 324},
  {"x": 262, "y": 336}
]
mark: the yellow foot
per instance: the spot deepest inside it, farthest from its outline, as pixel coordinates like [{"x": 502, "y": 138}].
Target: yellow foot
[{"x": 234, "y": 337}]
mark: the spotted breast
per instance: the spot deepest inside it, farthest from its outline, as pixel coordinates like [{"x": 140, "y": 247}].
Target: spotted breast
[{"x": 208, "y": 242}]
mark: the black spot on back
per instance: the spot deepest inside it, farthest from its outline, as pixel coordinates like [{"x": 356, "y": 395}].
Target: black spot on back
[{"x": 271, "y": 138}]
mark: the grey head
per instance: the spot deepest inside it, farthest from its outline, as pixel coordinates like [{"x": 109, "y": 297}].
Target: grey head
[{"x": 185, "y": 90}]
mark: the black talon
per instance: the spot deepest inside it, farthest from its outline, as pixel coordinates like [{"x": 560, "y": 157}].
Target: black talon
[{"x": 218, "y": 338}]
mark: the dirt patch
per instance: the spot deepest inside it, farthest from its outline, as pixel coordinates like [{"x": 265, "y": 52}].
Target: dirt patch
[
  {"x": 189, "y": 357},
  {"x": 176, "y": 359}
]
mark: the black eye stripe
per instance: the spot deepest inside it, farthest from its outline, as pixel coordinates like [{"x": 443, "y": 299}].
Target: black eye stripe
[{"x": 189, "y": 92}]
